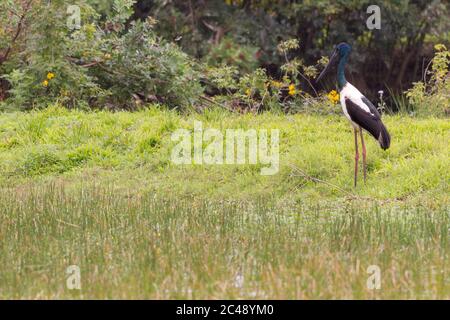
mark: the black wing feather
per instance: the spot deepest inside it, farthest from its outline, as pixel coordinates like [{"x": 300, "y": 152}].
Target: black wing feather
[
  {"x": 371, "y": 122},
  {"x": 372, "y": 108}
]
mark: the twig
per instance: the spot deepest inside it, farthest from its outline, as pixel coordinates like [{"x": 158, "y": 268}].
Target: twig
[
  {"x": 307, "y": 80},
  {"x": 77, "y": 62},
  {"x": 426, "y": 71},
  {"x": 67, "y": 223},
  {"x": 308, "y": 177},
  {"x": 314, "y": 179},
  {"x": 192, "y": 16},
  {"x": 18, "y": 31},
  {"x": 216, "y": 103}
]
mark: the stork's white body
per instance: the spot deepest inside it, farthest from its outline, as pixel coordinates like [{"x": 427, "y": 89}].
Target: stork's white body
[{"x": 351, "y": 93}]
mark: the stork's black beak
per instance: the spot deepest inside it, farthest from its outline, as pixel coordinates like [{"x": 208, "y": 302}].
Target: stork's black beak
[{"x": 330, "y": 62}]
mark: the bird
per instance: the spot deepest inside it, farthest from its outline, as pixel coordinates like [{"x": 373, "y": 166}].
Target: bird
[{"x": 361, "y": 113}]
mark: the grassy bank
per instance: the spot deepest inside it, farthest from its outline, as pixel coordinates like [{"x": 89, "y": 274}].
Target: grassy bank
[
  {"x": 133, "y": 150},
  {"x": 98, "y": 190}
]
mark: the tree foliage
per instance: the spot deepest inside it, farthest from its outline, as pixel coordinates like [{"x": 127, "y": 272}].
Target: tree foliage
[
  {"x": 391, "y": 57},
  {"x": 247, "y": 54},
  {"x": 110, "y": 61}
]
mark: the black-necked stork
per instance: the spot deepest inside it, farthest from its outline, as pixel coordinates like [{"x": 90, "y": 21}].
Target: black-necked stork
[{"x": 357, "y": 108}]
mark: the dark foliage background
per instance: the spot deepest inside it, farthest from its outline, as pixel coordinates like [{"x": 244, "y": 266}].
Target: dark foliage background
[
  {"x": 178, "y": 52},
  {"x": 390, "y": 58}
]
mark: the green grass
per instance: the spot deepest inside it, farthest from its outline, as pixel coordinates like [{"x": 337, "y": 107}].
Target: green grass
[{"x": 98, "y": 190}]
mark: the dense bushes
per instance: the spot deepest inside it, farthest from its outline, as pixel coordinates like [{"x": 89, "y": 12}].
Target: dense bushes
[
  {"x": 101, "y": 63},
  {"x": 391, "y": 57},
  {"x": 241, "y": 55},
  {"x": 432, "y": 94}
]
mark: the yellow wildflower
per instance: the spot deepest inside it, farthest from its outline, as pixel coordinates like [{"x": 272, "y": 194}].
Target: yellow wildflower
[
  {"x": 292, "y": 90},
  {"x": 333, "y": 96},
  {"x": 50, "y": 75},
  {"x": 276, "y": 84},
  {"x": 248, "y": 92},
  {"x": 45, "y": 83}
]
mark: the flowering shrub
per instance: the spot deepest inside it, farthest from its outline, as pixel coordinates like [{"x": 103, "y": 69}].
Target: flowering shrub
[
  {"x": 100, "y": 63},
  {"x": 114, "y": 59},
  {"x": 258, "y": 91},
  {"x": 38, "y": 68},
  {"x": 432, "y": 95}
]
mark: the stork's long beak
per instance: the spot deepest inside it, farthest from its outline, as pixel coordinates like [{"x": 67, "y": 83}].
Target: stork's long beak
[{"x": 330, "y": 62}]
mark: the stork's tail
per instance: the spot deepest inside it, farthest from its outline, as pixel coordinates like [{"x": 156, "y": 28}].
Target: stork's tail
[{"x": 384, "y": 138}]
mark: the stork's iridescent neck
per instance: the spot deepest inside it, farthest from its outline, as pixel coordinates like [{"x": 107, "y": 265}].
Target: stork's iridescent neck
[{"x": 341, "y": 71}]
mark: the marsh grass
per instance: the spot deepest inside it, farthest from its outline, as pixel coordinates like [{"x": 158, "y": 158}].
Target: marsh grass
[{"x": 149, "y": 246}]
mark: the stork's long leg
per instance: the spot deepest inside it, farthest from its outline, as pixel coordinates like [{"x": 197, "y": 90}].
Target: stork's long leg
[
  {"x": 356, "y": 155},
  {"x": 363, "y": 154}
]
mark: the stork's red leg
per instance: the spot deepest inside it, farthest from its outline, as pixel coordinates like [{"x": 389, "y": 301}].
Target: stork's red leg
[
  {"x": 363, "y": 154},
  {"x": 356, "y": 155}
]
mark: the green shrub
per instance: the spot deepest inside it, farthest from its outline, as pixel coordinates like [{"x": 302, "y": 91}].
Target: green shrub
[
  {"x": 41, "y": 160},
  {"x": 146, "y": 68},
  {"x": 229, "y": 52},
  {"x": 80, "y": 155},
  {"x": 432, "y": 96},
  {"x": 41, "y": 69},
  {"x": 257, "y": 90},
  {"x": 105, "y": 62}
]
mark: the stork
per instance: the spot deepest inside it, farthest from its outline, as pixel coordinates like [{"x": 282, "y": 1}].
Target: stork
[{"x": 357, "y": 108}]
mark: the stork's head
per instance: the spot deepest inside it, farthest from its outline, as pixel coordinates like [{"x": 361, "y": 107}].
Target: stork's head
[
  {"x": 340, "y": 51},
  {"x": 343, "y": 49}
]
